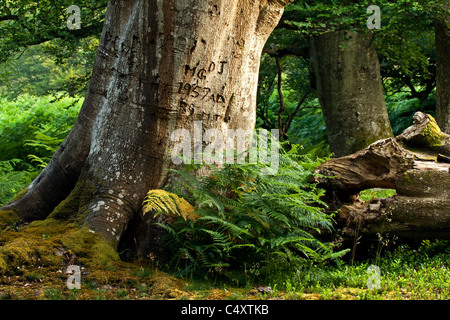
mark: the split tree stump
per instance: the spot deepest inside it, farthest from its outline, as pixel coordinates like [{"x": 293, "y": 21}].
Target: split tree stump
[{"x": 416, "y": 164}]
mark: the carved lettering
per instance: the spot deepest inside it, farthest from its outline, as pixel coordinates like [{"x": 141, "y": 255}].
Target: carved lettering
[
  {"x": 207, "y": 91},
  {"x": 212, "y": 66},
  {"x": 188, "y": 69},
  {"x": 192, "y": 90},
  {"x": 198, "y": 92},
  {"x": 214, "y": 11},
  {"x": 220, "y": 99},
  {"x": 203, "y": 72},
  {"x": 186, "y": 108},
  {"x": 222, "y": 66},
  {"x": 195, "y": 92}
]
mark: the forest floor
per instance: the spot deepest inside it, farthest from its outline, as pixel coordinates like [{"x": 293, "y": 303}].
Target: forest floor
[
  {"x": 137, "y": 283},
  {"x": 34, "y": 260},
  {"x": 126, "y": 281}
]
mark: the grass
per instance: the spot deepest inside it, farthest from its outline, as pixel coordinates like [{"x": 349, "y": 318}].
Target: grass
[
  {"x": 422, "y": 273},
  {"x": 369, "y": 194}
]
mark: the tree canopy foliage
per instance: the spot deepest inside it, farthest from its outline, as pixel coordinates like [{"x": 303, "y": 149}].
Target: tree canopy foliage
[
  {"x": 39, "y": 54},
  {"x": 27, "y": 23},
  {"x": 405, "y": 44}
]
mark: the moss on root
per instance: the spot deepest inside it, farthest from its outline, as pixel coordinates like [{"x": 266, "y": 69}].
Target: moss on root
[
  {"x": 75, "y": 205},
  {"x": 53, "y": 244},
  {"x": 34, "y": 259},
  {"x": 89, "y": 248},
  {"x": 8, "y": 218}
]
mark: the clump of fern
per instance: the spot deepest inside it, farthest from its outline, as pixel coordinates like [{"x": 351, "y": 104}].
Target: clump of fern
[
  {"x": 244, "y": 217},
  {"x": 44, "y": 144}
]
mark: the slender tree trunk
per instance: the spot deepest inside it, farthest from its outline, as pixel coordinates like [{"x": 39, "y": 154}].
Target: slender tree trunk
[
  {"x": 161, "y": 65},
  {"x": 442, "y": 32},
  {"x": 347, "y": 73}
]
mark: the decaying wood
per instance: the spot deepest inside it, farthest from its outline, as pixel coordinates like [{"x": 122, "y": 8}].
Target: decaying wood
[{"x": 414, "y": 164}]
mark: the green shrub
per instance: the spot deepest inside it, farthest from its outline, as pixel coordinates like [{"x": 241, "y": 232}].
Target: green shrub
[{"x": 245, "y": 219}]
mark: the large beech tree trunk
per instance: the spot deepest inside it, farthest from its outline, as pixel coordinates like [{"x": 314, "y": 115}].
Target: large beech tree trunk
[
  {"x": 416, "y": 164},
  {"x": 161, "y": 65},
  {"x": 348, "y": 80}
]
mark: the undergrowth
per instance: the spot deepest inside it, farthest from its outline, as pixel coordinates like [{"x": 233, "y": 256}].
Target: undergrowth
[
  {"x": 246, "y": 223},
  {"x": 31, "y": 129}
]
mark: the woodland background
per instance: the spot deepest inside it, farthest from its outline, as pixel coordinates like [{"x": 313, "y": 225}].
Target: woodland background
[{"x": 44, "y": 74}]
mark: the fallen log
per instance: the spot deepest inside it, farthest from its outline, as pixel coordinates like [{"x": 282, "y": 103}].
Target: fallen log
[{"x": 414, "y": 164}]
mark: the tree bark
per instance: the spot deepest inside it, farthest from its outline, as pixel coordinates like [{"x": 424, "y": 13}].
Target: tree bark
[
  {"x": 442, "y": 35},
  {"x": 408, "y": 163},
  {"x": 161, "y": 65},
  {"x": 348, "y": 80}
]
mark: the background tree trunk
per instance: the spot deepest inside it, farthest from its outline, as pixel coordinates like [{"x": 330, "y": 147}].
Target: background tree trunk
[
  {"x": 442, "y": 32},
  {"x": 347, "y": 73},
  {"x": 161, "y": 65}
]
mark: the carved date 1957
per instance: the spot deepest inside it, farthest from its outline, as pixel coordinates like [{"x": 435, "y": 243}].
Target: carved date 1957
[{"x": 198, "y": 92}]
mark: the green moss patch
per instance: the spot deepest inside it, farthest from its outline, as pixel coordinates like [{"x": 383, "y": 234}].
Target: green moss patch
[
  {"x": 75, "y": 205},
  {"x": 8, "y": 218},
  {"x": 90, "y": 249},
  {"x": 17, "y": 253},
  {"x": 20, "y": 194},
  {"x": 53, "y": 244},
  {"x": 431, "y": 136}
]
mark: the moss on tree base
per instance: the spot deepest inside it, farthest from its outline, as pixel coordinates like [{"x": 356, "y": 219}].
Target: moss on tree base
[
  {"x": 75, "y": 205},
  {"x": 8, "y": 218},
  {"x": 53, "y": 244}
]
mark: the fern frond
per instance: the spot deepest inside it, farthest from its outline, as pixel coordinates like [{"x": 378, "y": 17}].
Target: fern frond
[{"x": 161, "y": 201}]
